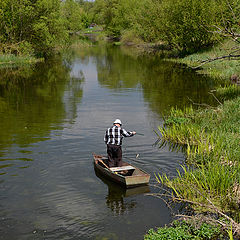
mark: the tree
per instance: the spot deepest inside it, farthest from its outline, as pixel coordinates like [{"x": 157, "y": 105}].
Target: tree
[
  {"x": 40, "y": 25},
  {"x": 228, "y": 28},
  {"x": 74, "y": 16}
]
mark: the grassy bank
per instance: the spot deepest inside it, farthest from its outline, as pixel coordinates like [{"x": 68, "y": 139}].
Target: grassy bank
[
  {"x": 11, "y": 60},
  {"x": 211, "y": 139},
  {"x": 223, "y": 69}
]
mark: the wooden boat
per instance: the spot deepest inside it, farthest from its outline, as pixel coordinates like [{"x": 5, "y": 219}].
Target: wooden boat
[
  {"x": 116, "y": 190},
  {"x": 127, "y": 175}
]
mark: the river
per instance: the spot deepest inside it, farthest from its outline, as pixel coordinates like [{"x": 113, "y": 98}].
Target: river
[{"x": 54, "y": 115}]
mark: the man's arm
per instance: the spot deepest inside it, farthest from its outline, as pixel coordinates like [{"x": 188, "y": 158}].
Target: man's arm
[{"x": 128, "y": 134}]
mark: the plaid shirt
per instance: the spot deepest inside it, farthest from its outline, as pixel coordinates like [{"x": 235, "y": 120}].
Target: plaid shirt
[{"x": 115, "y": 134}]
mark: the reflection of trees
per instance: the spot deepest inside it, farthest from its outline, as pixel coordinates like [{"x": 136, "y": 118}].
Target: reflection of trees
[
  {"x": 164, "y": 84},
  {"x": 117, "y": 200},
  {"x": 74, "y": 95},
  {"x": 32, "y": 101},
  {"x": 117, "y": 71},
  {"x": 167, "y": 84}
]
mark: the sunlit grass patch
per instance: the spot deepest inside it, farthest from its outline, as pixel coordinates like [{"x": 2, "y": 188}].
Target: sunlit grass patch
[
  {"x": 218, "y": 69},
  {"x": 13, "y": 60}
]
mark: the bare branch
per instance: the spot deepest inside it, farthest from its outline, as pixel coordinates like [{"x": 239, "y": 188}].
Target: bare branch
[
  {"x": 215, "y": 98},
  {"x": 199, "y": 104},
  {"x": 235, "y": 225},
  {"x": 230, "y": 57},
  {"x": 161, "y": 197}
]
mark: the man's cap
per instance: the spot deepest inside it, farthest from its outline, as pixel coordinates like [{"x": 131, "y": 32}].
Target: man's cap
[{"x": 118, "y": 121}]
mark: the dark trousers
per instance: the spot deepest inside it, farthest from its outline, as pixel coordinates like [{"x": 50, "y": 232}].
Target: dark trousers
[{"x": 114, "y": 155}]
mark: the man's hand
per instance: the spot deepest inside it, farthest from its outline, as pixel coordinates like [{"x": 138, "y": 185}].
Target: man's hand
[{"x": 133, "y": 132}]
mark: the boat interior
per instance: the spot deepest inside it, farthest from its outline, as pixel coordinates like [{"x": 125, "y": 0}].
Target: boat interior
[{"x": 125, "y": 170}]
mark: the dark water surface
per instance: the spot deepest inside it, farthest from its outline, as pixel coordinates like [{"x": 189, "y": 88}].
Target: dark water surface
[{"x": 54, "y": 116}]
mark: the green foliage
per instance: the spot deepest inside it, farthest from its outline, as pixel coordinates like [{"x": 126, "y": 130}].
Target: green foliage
[
  {"x": 26, "y": 48},
  {"x": 228, "y": 92},
  {"x": 10, "y": 60},
  {"x": 178, "y": 116},
  {"x": 185, "y": 25},
  {"x": 215, "y": 68},
  {"x": 230, "y": 234},
  {"x": 183, "y": 231},
  {"x": 39, "y": 26},
  {"x": 75, "y": 17},
  {"x": 38, "y": 23},
  {"x": 117, "y": 15},
  {"x": 130, "y": 36},
  {"x": 211, "y": 137},
  {"x": 175, "y": 120}
]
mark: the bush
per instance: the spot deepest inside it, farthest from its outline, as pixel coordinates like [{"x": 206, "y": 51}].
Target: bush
[
  {"x": 26, "y": 48},
  {"x": 183, "y": 231},
  {"x": 130, "y": 36}
]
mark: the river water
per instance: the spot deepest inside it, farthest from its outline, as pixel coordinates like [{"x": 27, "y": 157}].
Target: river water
[{"x": 54, "y": 115}]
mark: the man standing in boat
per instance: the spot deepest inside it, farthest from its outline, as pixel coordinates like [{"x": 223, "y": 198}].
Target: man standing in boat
[{"x": 113, "y": 138}]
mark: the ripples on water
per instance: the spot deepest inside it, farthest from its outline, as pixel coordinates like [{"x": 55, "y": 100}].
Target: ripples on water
[{"x": 53, "y": 121}]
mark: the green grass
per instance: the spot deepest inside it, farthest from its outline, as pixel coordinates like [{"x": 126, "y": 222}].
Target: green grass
[
  {"x": 10, "y": 60},
  {"x": 228, "y": 92},
  {"x": 223, "y": 69},
  {"x": 212, "y": 142},
  {"x": 94, "y": 29},
  {"x": 184, "y": 231}
]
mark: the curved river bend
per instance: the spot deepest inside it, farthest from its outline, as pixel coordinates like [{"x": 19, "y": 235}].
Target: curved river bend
[{"x": 54, "y": 116}]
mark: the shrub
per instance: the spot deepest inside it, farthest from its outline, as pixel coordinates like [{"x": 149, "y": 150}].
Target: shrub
[{"x": 183, "y": 231}]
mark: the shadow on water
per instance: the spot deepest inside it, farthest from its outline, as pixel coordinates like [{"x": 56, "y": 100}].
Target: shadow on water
[{"x": 116, "y": 194}]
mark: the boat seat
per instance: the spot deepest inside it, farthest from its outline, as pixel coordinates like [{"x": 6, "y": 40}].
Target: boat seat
[{"x": 123, "y": 168}]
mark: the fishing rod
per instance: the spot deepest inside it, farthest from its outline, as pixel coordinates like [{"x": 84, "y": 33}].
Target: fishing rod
[{"x": 141, "y": 134}]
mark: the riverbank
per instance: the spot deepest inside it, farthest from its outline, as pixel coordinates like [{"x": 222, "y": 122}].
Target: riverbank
[
  {"x": 223, "y": 69},
  {"x": 11, "y": 60},
  {"x": 211, "y": 139},
  {"x": 218, "y": 69}
]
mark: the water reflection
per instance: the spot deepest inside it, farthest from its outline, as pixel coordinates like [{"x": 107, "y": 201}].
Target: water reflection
[
  {"x": 54, "y": 116},
  {"x": 172, "y": 147},
  {"x": 164, "y": 84},
  {"x": 116, "y": 199},
  {"x": 33, "y": 102}
]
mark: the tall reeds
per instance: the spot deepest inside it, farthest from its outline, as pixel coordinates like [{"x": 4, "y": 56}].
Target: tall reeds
[{"x": 212, "y": 144}]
